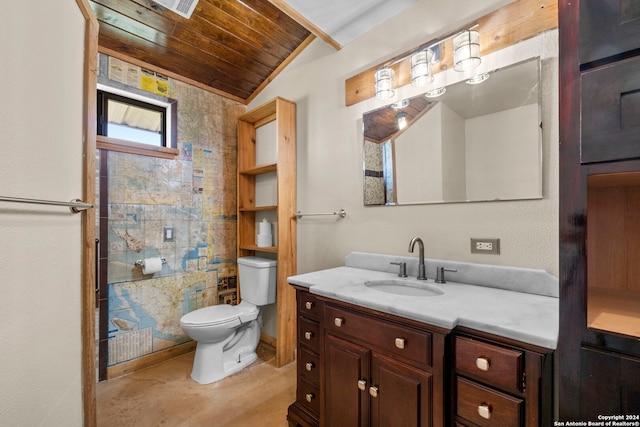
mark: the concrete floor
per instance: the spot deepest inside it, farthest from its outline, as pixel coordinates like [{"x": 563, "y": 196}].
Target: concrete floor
[{"x": 164, "y": 395}]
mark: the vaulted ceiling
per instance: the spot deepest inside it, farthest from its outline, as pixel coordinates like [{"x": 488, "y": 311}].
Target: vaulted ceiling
[{"x": 231, "y": 47}]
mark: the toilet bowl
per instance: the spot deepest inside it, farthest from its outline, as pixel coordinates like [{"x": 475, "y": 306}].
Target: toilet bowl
[{"x": 227, "y": 335}]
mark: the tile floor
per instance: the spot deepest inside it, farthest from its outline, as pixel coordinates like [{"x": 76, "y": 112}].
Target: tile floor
[{"x": 164, "y": 395}]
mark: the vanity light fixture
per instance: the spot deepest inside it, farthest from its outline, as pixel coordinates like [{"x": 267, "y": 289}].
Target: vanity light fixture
[
  {"x": 400, "y": 104},
  {"x": 421, "y": 68},
  {"x": 384, "y": 83},
  {"x": 436, "y": 92},
  {"x": 477, "y": 79},
  {"x": 466, "y": 50},
  {"x": 466, "y": 55},
  {"x": 402, "y": 120}
]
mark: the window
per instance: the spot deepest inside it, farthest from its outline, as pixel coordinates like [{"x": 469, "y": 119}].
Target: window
[{"x": 137, "y": 125}]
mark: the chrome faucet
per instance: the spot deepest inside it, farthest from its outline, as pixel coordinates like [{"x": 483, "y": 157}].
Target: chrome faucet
[{"x": 421, "y": 269}]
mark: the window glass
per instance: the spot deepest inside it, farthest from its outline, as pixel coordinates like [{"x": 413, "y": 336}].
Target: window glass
[
  {"x": 134, "y": 123},
  {"x": 132, "y": 120}
]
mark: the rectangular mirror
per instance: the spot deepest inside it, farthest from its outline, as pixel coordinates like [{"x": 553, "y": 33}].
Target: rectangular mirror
[{"x": 475, "y": 142}]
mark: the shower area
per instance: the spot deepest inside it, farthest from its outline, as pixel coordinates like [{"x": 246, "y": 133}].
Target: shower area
[{"x": 181, "y": 209}]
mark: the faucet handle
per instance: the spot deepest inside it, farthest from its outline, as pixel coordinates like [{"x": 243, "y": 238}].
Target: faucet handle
[
  {"x": 402, "y": 271},
  {"x": 440, "y": 274}
]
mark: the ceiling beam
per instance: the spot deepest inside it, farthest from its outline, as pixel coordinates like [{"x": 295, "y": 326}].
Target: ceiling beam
[{"x": 310, "y": 26}]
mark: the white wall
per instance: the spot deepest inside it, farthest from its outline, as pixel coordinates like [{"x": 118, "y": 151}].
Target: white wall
[
  {"x": 42, "y": 51},
  {"x": 329, "y": 137},
  {"x": 418, "y": 159},
  {"x": 497, "y": 147}
]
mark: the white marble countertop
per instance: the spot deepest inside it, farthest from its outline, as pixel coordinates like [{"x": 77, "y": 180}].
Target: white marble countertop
[{"x": 521, "y": 316}]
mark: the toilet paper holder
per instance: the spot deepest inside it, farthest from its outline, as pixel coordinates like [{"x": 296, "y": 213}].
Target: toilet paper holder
[{"x": 140, "y": 262}]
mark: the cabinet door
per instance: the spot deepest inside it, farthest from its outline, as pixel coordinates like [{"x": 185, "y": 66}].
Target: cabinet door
[
  {"x": 610, "y": 384},
  {"x": 608, "y": 28},
  {"x": 346, "y": 404},
  {"x": 610, "y": 107},
  {"x": 402, "y": 394}
]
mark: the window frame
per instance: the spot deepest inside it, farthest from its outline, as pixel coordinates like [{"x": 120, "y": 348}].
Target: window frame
[{"x": 168, "y": 150}]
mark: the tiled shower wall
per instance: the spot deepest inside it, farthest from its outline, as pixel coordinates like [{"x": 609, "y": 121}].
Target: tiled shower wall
[{"x": 195, "y": 193}]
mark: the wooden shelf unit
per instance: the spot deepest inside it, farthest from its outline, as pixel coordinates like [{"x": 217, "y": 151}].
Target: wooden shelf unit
[{"x": 283, "y": 112}]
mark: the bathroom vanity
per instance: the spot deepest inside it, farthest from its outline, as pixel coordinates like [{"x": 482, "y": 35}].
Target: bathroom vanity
[{"x": 371, "y": 357}]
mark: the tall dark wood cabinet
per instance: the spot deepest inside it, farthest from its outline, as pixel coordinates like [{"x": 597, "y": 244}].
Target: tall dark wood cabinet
[{"x": 599, "y": 342}]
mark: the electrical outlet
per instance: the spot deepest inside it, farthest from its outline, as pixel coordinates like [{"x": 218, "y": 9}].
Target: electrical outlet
[{"x": 485, "y": 246}]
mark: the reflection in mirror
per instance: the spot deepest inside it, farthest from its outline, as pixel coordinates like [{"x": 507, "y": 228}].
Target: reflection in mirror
[{"x": 477, "y": 142}]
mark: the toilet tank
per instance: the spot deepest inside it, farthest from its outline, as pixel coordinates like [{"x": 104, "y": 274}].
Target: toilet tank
[{"x": 257, "y": 280}]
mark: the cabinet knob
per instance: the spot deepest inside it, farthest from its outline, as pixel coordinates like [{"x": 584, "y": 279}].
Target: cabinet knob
[
  {"x": 308, "y": 335},
  {"x": 362, "y": 385},
  {"x": 309, "y": 366},
  {"x": 309, "y": 397},
  {"x": 484, "y": 410},
  {"x": 373, "y": 391},
  {"x": 483, "y": 363},
  {"x": 400, "y": 343},
  {"x": 339, "y": 321},
  {"x": 308, "y": 305}
]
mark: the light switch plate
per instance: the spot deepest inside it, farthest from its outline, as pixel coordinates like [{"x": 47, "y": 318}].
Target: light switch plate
[{"x": 168, "y": 234}]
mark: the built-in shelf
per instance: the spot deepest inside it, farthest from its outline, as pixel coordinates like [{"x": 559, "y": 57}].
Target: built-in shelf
[
  {"x": 258, "y": 209},
  {"x": 271, "y": 249},
  {"x": 252, "y": 177},
  {"x": 614, "y": 311},
  {"x": 259, "y": 170}
]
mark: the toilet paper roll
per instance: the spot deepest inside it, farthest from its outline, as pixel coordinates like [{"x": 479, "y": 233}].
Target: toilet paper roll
[
  {"x": 151, "y": 265},
  {"x": 265, "y": 240},
  {"x": 265, "y": 227}
]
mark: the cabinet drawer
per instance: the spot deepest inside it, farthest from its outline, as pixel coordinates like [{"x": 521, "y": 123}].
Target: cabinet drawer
[
  {"x": 610, "y": 108},
  {"x": 309, "y": 366},
  {"x": 486, "y": 407},
  {"x": 489, "y": 363},
  {"x": 309, "y": 333},
  {"x": 309, "y": 306},
  {"x": 308, "y": 395},
  {"x": 400, "y": 340},
  {"x": 618, "y": 22}
]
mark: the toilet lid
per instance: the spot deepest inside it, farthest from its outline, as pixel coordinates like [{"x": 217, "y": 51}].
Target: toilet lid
[{"x": 213, "y": 315}]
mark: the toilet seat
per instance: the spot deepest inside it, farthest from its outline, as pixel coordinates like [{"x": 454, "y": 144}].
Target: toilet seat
[{"x": 222, "y": 314}]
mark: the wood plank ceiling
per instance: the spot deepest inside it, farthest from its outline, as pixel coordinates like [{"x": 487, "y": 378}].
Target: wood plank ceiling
[{"x": 230, "y": 47}]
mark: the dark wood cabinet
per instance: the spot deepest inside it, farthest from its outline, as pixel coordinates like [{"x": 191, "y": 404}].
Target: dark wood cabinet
[
  {"x": 401, "y": 395},
  {"x": 305, "y": 411},
  {"x": 608, "y": 28},
  {"x": 599, "y": 345},
  {"x": 361, "y": 367},
  {"x": 380, "y": 372},
  {"x": 375, "y": 369},
  {"x": 347, "y": 367},
  {"x": 500, "y": 382}
]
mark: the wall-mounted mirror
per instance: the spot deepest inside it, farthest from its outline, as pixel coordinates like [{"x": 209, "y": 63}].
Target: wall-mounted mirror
[{"x": 476, "y": 142}]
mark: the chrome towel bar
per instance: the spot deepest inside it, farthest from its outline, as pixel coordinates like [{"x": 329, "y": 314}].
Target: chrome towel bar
[
  {"x": 341, "y": 213},
  {"x": 75, "y": 205}
]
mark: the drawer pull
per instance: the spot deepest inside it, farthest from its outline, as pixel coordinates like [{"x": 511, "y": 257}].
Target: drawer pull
[
  {"x": 308, "y": 335},
  {"x": 483, "y": 363},
  {"x": 338, "y": 321},
  {"x": 309, "y": 366},
  {"x": 400, "y": 343},
  {"x": 484, "y": 411},
  {"x": 362, "y": 385},
  {"x": 309, "y": 397},
  {"x": 308, "y": 305},
  {"x": 373, "y": 391}
]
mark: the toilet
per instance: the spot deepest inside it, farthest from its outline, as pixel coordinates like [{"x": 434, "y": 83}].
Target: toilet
[{"x": 227, "y": 335}]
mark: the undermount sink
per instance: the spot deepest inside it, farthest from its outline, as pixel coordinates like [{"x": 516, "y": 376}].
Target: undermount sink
[{"x": 404, "y": 287}]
